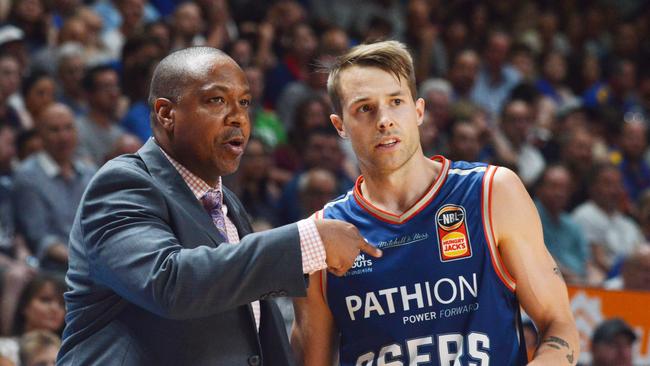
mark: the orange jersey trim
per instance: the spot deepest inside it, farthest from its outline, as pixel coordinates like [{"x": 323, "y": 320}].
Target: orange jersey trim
[
  {"x": 488, "y": 228},
  {"x": 413, "y": 210}
]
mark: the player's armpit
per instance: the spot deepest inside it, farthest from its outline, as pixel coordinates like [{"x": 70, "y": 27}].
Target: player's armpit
[
  {"x": 540, "y": 289},
  {"x": 313, "y": 334}
]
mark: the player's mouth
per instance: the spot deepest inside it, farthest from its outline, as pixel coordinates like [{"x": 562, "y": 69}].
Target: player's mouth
[{"x": 388, "y": 143}]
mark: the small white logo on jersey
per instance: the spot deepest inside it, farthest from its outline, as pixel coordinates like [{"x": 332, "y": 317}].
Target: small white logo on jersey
[{"x": 362, "y": 264}]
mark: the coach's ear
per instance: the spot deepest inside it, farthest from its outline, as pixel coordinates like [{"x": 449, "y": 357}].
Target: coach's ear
[
  {"x": 164, "y": 109},
  {"x": 338, "y": 124}
]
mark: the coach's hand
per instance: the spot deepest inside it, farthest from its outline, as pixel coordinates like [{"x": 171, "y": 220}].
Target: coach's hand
[{"x": 342, "y": 242}]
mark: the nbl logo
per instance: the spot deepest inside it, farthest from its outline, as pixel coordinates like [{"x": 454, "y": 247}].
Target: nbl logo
[{"x": 453, "y": 238}]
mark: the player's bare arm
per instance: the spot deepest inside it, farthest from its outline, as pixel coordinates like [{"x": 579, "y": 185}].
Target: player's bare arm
[
  {"x": 540, "y": 290},
  {"x": 312, "y": 338}
]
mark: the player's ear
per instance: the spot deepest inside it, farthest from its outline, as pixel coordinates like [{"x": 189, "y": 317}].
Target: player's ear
[
  {"x": 337, "y": 121},
  {"x": 419, "y": 110}
]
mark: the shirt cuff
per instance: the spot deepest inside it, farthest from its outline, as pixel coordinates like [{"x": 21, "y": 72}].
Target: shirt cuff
[{"x": 311, "y": 247}]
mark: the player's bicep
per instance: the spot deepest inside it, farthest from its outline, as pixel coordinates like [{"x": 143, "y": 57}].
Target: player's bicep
[
  {"x": 314, "y": 331},
  {"x": 539, "y": 285}
]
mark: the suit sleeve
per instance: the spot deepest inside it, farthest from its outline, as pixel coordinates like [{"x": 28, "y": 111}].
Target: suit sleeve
[{"x": 132, "y": 248}]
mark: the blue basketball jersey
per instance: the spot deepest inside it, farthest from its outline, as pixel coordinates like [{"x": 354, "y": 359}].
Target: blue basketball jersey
[{"x": 440, "y": 294}]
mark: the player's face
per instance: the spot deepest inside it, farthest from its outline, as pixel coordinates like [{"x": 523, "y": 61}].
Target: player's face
[{"x": 380, "y": 118}]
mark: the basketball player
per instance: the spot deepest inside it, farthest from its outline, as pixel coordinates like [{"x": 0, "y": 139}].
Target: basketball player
[{"x": 462, "y": 243}]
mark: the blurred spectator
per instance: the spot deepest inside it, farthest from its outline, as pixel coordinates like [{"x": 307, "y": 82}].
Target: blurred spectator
[
  {"x": 316, "y": 187},
  {"x": 463, "y": 74},
  {"x": 496, "y": 78},
  {"x": 98, "y": 130},
  {"x": 424, "y": 41},
  {"x": 125, "y": 144},
  {"x": 611, "y": 234},
  {"x": 563, "y": 237},
  {"x": 38, "y": 92},
  {"x": 300, "y": 44},
  {"x": 576, "y": 153},
  {"x": 297, "y": 92},
  {"x": 96, "y": 52},
  {"x": 221, "y": 28},
  {"x": 14, "y": 271},
  {"x": 464, "y": 143},
  {"x": 611, "y": 343},
  {"x": 31, "y": 17},
  {"x": 312, "y": 113},
  {"x": 140, "y": 56},
  {"x": 334, "y": 41},
  {"x": 39, "y": 348},
  {"x": 12, "y": 42},
  {"x": 111, "y": 16},
  {"x": 635, "y": 272},
  {"x": 187, "y": 26},
  {"x": 633, "y": 142},
  {"x": 552, "y": 82},
  {"x": 28, "y": 142},
  {"x": 322, "y": 150},
  {"x": 70, "y": 68},
  {"x": 9, "y": 84},
  {"x": 132, "y": 14},
  {"x": 161, "y": 32},
  {"x": 617, "y": 91},
  {"x": 255, "y": 185},
  {"x": 523, "y": 60},
  {"x": 48, "y": 187},
  {"x": 512, "y": 146},
  {"x": 266, "y": 124},
  {"x": 41, "y": 306},
  {"x": 437, "y": 97}
]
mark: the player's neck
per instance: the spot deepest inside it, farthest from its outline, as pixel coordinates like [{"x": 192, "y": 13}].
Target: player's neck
[{"x": 398, "y": 190}]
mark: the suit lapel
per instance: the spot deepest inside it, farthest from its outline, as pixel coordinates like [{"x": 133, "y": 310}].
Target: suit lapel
[{"x": 168, "y": 178}]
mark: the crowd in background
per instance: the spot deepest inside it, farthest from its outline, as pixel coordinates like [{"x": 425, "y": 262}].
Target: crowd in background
[{"x": 559, "y": 92}]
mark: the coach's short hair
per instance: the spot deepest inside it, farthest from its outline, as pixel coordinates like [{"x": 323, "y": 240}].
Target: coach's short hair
[{"x": 390, "y": 56}]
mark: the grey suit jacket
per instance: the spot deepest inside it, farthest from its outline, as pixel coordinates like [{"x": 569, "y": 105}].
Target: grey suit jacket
[{"x": 150, "y": 282}]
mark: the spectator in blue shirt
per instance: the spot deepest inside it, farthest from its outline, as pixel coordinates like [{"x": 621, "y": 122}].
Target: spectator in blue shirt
[
  {"x": 563, "y": 237},
  {"x": 48, "y": 187}
]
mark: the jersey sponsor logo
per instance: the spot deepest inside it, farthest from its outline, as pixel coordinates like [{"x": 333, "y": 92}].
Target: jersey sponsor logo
[
  {"x": 447, "y": 297},
  {"x": 453, "y": 237}
]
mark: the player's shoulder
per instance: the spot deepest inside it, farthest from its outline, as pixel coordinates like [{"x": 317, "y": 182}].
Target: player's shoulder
[{"x": 336, "y": 208}]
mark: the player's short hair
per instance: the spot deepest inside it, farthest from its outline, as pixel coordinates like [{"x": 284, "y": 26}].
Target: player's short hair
[{"x": 390, "y": 56}]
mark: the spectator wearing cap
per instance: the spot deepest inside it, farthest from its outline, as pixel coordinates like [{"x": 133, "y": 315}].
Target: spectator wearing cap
[
  {"x": 48, "y": 187},
  {"x": 611, "y": 343}
]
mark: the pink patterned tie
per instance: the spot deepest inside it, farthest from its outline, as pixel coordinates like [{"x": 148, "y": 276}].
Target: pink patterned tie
[{"x": 211, "y": 201}]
